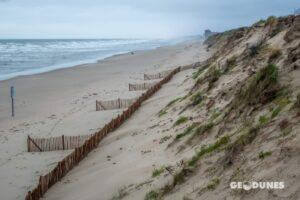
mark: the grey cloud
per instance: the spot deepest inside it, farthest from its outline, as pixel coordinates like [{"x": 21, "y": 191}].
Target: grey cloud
[{"x": 133, "y": 18}]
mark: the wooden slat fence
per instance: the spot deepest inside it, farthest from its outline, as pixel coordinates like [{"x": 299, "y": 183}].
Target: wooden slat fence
[
  {"x": 192, "y": 66},
  {"x": 55, "y": 143},
  {"x": 64, "y": 166},
  {"x": 114, "y": 104},
  {"x": 141, "y": 86},
  {"x": 157, "y": 76}
]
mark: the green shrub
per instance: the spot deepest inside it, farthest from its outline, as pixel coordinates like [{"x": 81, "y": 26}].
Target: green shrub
[
  {"x": 199, "y": 71},
  {"x": 122, "y": 193},
  {"x": 297, "y": 103},
  {"x": 265, "y": 80},
  {"x": 245, "y": 139},
  {"x": 197, "y": 98},
  {"x": 213, "y": 76},
  {"x": 161, "y": 113},
  {"x": 215, "y": 115},
  {"x": 238, "y": 145},
  {"x": 268, "y": 74},
  {"x": 200, "y": 131},
  {"x": 164, "y": 139},
  {"x": 157, "y": 172},
  {"x": 152, "y": 195},
  {"x": 263, "y": 119},
  {"x": 213, "y": 184},
  {"x": 178, "y": 178},
  {"x": 262, "y": 154},
  {"x": 173, "y": 101},
  {"x": 187, "y": 131},
  {"x": 276, "y": 111},
  {"x": 181, "y": 120},
  {"x": 205, "y": 150},
  {"x": 255, "y": 49},
  {"x": 230, "y": 64},
  {"x": 272, "y": 20},
  {"x": 260, "y": 23},
  {"x": 204, "y": 128}
]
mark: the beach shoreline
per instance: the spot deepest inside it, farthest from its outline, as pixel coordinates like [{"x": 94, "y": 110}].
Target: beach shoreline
[
  {"x": 62, "y": 102},
  {"x": 86, "y": 62}
]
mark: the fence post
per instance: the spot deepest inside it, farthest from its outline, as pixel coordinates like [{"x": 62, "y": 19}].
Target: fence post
[
  {"x": 28, "y": 144},
  {"x": 12, "y": 95},
  {"x": 63, "y": 141},
  {"x": 31, "y": 140}
]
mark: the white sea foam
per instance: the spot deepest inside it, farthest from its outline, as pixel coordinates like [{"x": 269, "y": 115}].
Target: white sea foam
[{"x": 26, "y": 57}]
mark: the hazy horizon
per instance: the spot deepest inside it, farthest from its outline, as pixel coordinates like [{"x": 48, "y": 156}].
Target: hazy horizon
[{"x": 78, "y": 19}]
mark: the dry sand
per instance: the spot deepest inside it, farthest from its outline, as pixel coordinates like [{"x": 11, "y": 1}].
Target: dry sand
[{"x": 63, "y": 102}]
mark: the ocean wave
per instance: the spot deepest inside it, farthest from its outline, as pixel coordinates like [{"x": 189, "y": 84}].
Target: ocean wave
[{"x": 26, "y": 57}]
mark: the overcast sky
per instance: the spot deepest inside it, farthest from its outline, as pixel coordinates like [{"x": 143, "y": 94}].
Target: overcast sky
[{"x": 131, "y": 18}]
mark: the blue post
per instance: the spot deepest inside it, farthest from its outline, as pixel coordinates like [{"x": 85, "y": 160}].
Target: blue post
[{"x": 12, "y": 95}]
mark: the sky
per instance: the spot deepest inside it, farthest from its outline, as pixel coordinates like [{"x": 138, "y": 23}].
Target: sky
[{"x": 131, "y": 18}]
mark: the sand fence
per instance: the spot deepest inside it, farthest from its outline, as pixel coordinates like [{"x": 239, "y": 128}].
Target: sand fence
[
  {"x": 141, "y": 86},
  {"x": 55, "y": 143},
  {"x": 167, "y": 72},
  {"x": 193, "y": 66},
  {"x": 114, "y": 104},
  {"x": 157, "y": 75},
  {"x": 79, "y": 153}
]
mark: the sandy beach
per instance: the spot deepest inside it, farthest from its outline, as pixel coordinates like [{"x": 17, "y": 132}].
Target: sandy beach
[{"x": 62, "y": 102}]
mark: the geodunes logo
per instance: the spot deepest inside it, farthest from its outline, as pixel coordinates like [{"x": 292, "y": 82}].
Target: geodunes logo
[{"x": 248, "y": 185}]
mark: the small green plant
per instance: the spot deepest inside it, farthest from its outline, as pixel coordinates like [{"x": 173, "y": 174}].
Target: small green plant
[
  {"x": 248, "y": 137},
  {"x": 183, "y": 98},
  {"x": 260, "y": 23},
  {"x": 199, "y": 71},
  {"x": 178, "y": 178},
  {"x": 238, "y": 145},
  {"x": 164, "y": 139},
  {"x": 161, "y": 113},
  {"x": 152, "y": 195},
  {"x": 204, "y": 128},
  {"x": 200, "y": 131},
  {"x": 212, "y": 185},
  {"x": 297, "y": 103},
  {"x": 271, "y": 20},
  {"x": 181, "y": 120},
  {"x": 255, "y": 49},
  {"x": 197, "y": 98},
  {"x": 122, "y": 193},
  {"x": 262, "y": 154},
  {"x": 173, "y": 101},
  {"x": 205, "y": 150},
  {"x": 263, "y": 119},
  {"x": 215, "y": 115},
  {"x": 213, "y": 76},
  {"x": 256, "y": 91},
  {"x": 230, "y": 64},
  {"x": 157, "y": 172},
  {"x": 268, "y": 74},
  {"x": 187, "y": 131},
  {"x": 282, "y": 101},
  {"x": 276, "y": 111}
]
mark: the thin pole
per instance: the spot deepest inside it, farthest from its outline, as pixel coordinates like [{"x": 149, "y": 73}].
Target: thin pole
[{"x": 12, "y": 94}]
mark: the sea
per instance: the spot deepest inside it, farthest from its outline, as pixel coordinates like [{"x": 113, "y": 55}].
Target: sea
[{"x": 32, "y": 56}]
